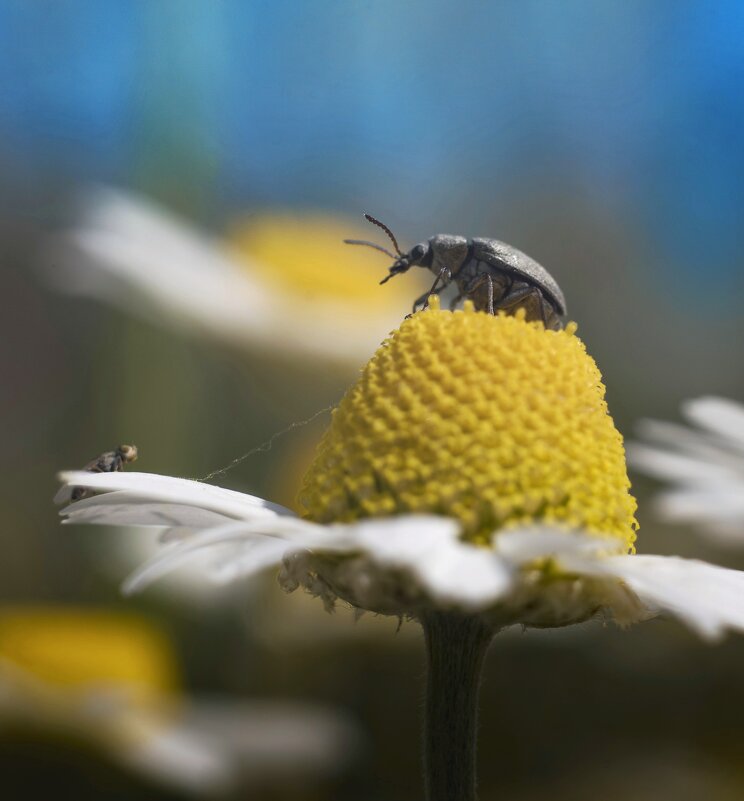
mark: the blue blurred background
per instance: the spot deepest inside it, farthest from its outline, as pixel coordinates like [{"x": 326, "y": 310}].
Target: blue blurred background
[
  {"x": 435, "y": 112},
  {"x": 603, "y": 138}
]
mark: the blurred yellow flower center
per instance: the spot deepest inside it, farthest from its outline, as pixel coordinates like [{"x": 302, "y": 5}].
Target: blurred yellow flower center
[
  {"x": 306, "y": 256},
  {"x": 78, "y": 648},
  {"x": 492, "y": 420}
]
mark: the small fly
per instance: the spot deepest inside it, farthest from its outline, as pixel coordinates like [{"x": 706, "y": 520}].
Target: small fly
[{"x": 108, "y": 462}]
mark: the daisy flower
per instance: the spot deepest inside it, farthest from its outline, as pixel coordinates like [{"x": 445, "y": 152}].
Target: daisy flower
[
  {"x": 471, "y": 479},
  {"x": 703, "y": 464},
  {"x": 278, "y": 282},
  {"x": 110, "y": 681}
]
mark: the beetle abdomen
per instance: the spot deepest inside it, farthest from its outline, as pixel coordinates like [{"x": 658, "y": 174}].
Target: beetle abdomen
[{"x": 501, "y": 256}]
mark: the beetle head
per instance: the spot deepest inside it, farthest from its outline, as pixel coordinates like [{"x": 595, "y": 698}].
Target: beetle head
[{"x": 418, "y": 255}]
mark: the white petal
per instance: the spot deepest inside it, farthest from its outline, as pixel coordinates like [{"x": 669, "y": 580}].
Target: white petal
[
  {"x": 725, "y": 503},
  {"x": 708, "y": 598},
  {"x": 138, "y": 219},
  {"x": 251, "y": 558},
  {"x": 429, "y": 547},
  {"x": 669, "y": 466},
  {"x": 401, "y": 541},
  {"x": 154, "y": 487},
  {"x": 522, "y": 546},
  {"x": 63, "y": 495},
  {"x": 702, "y": 446},
  {"x": 182, "y": 758},
  {"x": 719, "y": 415},
  {"x": 273, "y": 536},
  {"x": 134, "y": 253},
  {"x": 272, "y": 738},
  {"x": 679, "y": 437},
  {"x": 204, "y": 288},
  {"x": 729, "y": 533},
  {"x": 704, "y": 467},
  {"x": 130, "y": 509},
  {"x": 469, "y": 576}
]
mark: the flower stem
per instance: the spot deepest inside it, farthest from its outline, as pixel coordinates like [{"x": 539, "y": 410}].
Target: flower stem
[{"x": 456, "y": 645}]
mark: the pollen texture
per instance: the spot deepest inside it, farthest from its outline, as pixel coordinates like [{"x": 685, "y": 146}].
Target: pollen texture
[{"x": 491, "y": 420}]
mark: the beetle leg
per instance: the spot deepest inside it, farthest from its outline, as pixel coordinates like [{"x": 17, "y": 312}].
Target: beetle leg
[
  {"x": 420, "y": 301},
  {"x": 445, "y": 276},
  {"x": 550, "y": 318},
  {"x": 532, "y": 300},
  {"x": 487, "y": 279},
  {"x": 475, "y": 284},
  {"x": 491, "y": 302}
]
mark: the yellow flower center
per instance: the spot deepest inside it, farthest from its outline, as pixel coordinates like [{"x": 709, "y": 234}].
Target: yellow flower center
[
  {"x": 306, "y": 256},
  {"x": 491, "y": 420},
  {"x": 77, "y": 648}
]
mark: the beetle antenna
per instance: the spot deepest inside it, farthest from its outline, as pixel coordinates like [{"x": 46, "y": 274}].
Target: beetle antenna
[
  {"x": 384, "y": 227},
  {"x": 371, "y": 245}
]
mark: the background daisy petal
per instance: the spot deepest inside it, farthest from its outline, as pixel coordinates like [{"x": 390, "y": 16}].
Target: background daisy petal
[
  {"x": 670, "y": 466},
  {"x": 719, "y": 415}
]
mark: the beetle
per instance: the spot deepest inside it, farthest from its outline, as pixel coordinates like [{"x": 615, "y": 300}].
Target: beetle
[
  {"x": 108, "y": 462},
  {"x": 494, "y": 275}
]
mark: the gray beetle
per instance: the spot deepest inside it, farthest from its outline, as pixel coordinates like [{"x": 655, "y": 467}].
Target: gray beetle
[{"x": 494, "y": 275}]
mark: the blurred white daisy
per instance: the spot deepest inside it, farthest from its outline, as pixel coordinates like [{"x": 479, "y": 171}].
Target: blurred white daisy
[
  {"x": 704, "y": 466},
  {"x": 109, "y": 680},
  {"x": 277, "y": 282}
]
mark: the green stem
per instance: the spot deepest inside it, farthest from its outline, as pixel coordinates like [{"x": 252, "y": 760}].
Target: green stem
[{"x": 456, "y": 645}]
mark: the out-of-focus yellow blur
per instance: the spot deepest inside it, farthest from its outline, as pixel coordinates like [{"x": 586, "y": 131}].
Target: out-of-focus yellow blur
[{"x": 78, "y": 648}]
